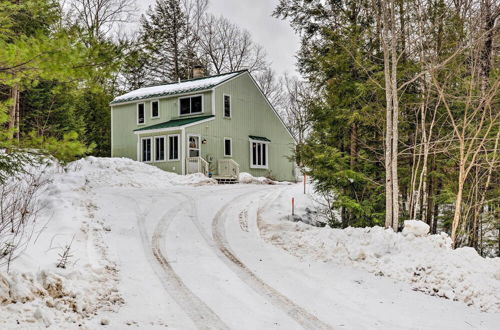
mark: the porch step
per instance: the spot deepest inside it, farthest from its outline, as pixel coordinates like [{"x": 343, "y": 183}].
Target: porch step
[{"x": 226, "y": 180}]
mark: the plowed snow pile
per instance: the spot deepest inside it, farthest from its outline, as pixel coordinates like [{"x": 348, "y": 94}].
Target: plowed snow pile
[
  {"x": 35, "y": 293},
  {"x": 425, "y": 261}
]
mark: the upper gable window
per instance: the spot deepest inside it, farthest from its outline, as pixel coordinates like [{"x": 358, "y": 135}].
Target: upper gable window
[
  {"x": 155, "y": 109},
  {"x": 140, "y": 113},
  {"x": 227, "y": 106},
  {"x": 190, "y": 104}
]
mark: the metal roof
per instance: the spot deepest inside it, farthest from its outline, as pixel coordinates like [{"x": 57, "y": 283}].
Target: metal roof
[
  {"x": 174, "y": 123},
  {"x": 259, "y": 138},
  {"x": 186, "y": 86}
]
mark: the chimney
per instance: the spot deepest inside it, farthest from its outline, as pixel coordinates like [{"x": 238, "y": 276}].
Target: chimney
[{"x": 198, "y": 71}]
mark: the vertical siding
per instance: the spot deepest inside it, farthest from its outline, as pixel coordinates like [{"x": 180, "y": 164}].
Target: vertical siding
[
  {"x": 251, "y": 115},
  {"x": 124, "y": 119}
]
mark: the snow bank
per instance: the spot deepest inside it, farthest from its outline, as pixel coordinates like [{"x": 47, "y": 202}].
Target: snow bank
[
  {"x": 427, "y": 262},
  {"x": 248, "y": 178},
  {"x": 52, "y": 296},
  {"x": 128, "y": 173},
  {"x": 416, "y": 228}
]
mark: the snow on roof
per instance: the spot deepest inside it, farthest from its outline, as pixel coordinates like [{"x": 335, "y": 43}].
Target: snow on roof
[{"x": 186, "y": 86}]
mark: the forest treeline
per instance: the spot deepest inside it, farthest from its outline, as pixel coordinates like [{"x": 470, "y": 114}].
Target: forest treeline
[{"x": 395, "y": 113}]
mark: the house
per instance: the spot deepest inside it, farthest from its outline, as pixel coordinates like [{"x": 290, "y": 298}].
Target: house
[{"x": 218, "y": 125}]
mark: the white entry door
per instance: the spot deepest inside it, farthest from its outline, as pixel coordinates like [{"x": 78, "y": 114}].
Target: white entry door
[
  {"x": 193, "y": 152},
  {"x": 193, "y": 146}
]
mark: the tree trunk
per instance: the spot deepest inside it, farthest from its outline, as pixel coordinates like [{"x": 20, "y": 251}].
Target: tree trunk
[
  {"x": 354, "y": 145},
  {"x": 13, "y": 111}
]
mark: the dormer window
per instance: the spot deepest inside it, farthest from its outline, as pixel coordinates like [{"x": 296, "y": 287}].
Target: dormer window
[
  {"x": 190, "y": 105},
  {"x": 155, "y": 109},
  {"x": 140, "y": 113}
]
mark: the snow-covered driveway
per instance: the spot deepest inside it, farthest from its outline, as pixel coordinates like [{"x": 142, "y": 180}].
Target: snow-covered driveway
[{"x": 192, "y": 257}]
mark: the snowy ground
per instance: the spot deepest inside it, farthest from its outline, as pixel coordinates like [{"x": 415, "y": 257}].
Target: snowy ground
[{"x": 154, "y": 250}]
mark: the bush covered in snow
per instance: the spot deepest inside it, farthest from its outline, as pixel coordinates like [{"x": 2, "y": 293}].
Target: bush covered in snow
[{"x": 427, "y": 262}]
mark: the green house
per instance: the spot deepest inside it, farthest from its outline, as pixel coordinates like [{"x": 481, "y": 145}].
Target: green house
[{"x": 219, "y": 126}]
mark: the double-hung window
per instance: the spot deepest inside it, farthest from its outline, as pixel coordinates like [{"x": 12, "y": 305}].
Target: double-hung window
[
  {"x": 160, "y": 148},
  {"x": 140, "y": 113},
  {"x": 191, "y": 104},
  {"x": 228, "y": 148},
  {"x": 258, "y": 154},
  {"x": 227, "y": 106},
  {"x": 173, "y": 147},
  {"x": 155, "y": 109},
  {"x": 146, "y": 149}
]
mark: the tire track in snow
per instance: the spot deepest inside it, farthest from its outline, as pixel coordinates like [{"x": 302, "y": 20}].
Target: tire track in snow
[
  {"x": 201, "y": 315},
  {"x": 197, "y": 310},
  {"x": 299, "y": 314}
]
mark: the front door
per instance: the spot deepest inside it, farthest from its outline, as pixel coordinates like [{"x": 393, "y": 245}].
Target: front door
[
  {"x": 193, "y": 146},
  {"x": 193, "y": 150}
]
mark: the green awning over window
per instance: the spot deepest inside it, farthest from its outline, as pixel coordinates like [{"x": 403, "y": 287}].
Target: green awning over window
[
  {"x": 259, "y": 138},
  {"x": 174, "y": 123}
]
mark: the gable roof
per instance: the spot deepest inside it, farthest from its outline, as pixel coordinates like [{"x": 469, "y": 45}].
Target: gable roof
[
  {"x": 174, "y": 123},
  {"x": 186, "y": 86}
]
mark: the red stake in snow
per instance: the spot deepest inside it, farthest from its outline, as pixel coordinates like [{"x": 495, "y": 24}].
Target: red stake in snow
[
  {"x": 293, "y": 206},
  {"x": 305, "y": 180}
]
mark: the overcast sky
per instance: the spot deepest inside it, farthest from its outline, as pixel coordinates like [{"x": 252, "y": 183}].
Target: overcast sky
[{"x": 276, "y": 36}]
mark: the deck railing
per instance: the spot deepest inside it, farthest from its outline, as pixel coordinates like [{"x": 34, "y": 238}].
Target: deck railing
[
  {"x": 228, "y": 168},
  {"x": 196, "y": 165}
]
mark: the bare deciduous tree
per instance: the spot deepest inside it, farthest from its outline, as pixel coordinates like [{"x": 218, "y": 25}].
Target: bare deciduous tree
[
  {"x": 99, "y": 17},
  {"x": 228, "y": 48}
]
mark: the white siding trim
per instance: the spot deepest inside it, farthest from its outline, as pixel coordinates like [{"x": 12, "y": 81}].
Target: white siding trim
[
  {"x": 111, "y": 109},
  {"x": 213, "y": 101},
  {"x": 181, "y": 147}
]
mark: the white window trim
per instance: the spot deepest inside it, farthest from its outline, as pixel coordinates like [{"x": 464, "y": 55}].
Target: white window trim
[
  {"x": 224, "y": 105},
  {"x": 188, "y": 97},
  {"x": 164, "y": 137},
  {"x": 151, "y": 109},
  {"x": 187, "y": 143},
  {"x": 230, "y": 147},
  {"x": 152, "y": 149},
  {"x": 137, "y": 113},
  {"x": 178, "y": 148},
  {"x": 251, "y": 154}
]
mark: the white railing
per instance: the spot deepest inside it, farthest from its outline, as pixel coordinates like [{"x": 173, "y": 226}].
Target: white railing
[
  {"x": 196, "y": 165},
  {"x": 228, "y": 168}
]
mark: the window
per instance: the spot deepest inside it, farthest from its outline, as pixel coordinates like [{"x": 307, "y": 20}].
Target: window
[
  {"x": 140, "y": 113},
  {"x": 228, "y": 151},
  {"x": 227, "y": 106},
  {"x": 189, "y": 105},
  {"x": 146, "y": 149},
  {"x": 173, "y": 147},
  {"x": 159, "y": 148},
  {"x": 258, "y": 154},
  {"x": 155, "y": 109}
]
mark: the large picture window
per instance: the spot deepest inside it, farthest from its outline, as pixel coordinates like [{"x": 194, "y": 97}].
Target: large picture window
[
  {"x": 160, "y": 148},
  {"x": 191, "y": 104},
  {"x": 258, "y": 154},
  {"x": 173, "y": 147},
  {"x": 146, "y": 149},
  {"x": 140, "y": 113},
  {"x": 227, "y": 106}
]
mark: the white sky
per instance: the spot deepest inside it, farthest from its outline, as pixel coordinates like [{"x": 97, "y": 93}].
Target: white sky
[{"x": 276, "y": 36}]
